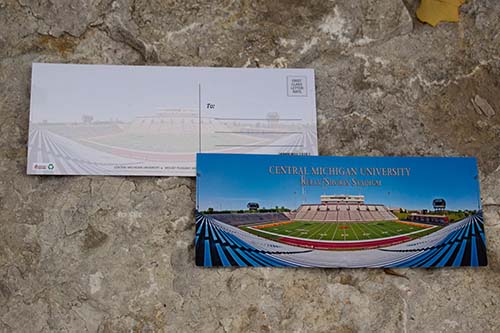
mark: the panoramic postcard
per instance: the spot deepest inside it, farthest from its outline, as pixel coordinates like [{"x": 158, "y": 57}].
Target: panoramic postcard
[
  {"x": 152, "y": 120},
  {"x": 321, "y": 211}
]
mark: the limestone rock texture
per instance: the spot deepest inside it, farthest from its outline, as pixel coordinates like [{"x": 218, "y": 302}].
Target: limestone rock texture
[{"x": 115, "y": 254}]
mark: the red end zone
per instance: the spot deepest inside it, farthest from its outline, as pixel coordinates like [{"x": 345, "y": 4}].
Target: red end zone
[{"x": 343, "y": 245}]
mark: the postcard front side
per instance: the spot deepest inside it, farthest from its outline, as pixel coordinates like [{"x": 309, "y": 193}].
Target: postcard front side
[
  {"x": 321, "y": 211},
  {"x": 141, "y": 120}
]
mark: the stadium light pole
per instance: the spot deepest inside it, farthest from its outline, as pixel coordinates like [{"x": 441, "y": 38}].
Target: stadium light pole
[{"x": 301, "y": 193}]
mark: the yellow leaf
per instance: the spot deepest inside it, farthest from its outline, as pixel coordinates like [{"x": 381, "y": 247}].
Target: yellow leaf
[{"x": 435, "y": 11}]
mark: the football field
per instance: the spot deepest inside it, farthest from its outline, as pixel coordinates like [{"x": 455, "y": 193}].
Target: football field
[{"x": 347, "y": 231}]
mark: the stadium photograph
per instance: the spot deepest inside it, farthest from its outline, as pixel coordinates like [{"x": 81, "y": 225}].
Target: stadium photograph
[{"x": 302, "y": 211}]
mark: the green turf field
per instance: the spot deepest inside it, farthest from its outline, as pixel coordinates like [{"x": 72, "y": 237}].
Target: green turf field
[{"x": 345, "y": 231}]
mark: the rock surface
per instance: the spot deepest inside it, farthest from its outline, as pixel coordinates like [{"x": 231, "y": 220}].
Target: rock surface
[{"x": 105, "y": 254}]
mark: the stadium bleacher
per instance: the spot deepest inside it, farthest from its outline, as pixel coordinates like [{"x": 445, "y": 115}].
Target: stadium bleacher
[
  {"x": 386, "y": 213},
  {"x": 459, "y": 244},
  {"x": 301, "y": 212},
  {"x": 311, "y": 213},
  {"x": 331, "y": 214},
  {"x": 250, "y": 218},
  {"x": 375, "y": 213},
  {"x": 321, "y": 213},
  {"x": 344, "y": 213},
  {"x": 354, "y": 213}
]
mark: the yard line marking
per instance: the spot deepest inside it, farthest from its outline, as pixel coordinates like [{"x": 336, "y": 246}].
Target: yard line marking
[
  {"x": 354, "y": 231},
  {"x": 332, "y": 226},
  {"x": 320, "y": 229},
  {"x": 373, "y": 229},
  {"x": 335, "y": 232}
]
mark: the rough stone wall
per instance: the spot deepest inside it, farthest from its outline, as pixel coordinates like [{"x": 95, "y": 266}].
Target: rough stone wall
[{"x": 113, "y": 254}]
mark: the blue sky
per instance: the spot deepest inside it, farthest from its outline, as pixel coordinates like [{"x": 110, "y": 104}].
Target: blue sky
[{"x": 230, "y": 181}]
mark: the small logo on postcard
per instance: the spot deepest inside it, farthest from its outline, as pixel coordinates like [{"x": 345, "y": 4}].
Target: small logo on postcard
[
  {"x": 43, "y": 166},
  {"x": 297, "y": 86}
]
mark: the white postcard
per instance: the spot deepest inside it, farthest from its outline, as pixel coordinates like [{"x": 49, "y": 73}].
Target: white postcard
[{"x": 152, "y": 120}]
